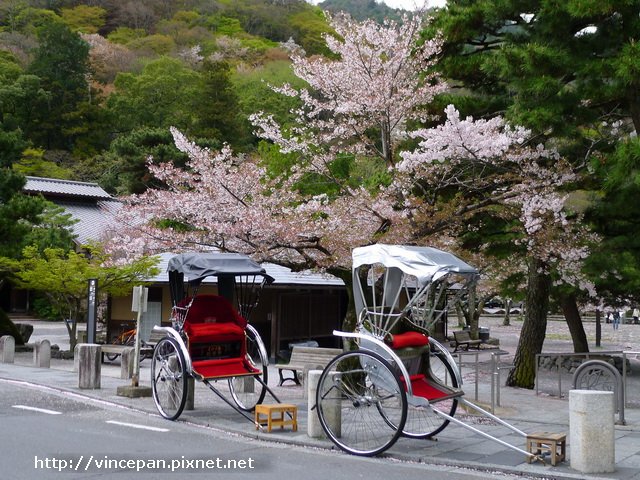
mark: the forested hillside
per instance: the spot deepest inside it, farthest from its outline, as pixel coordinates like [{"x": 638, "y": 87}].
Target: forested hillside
[
  {"x": 89, "y": 89},
  {"x": 362, "y": 9}
]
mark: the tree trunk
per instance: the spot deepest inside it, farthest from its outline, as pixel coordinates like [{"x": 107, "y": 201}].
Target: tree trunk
[
  {"x": 474, "y": 314},
  {"x": 385, "y": 137},
  {"x": 351, "y": 318},
  {"x": 462, "y": 319},
  {"x": 506, "y": 321},
  {"x": 533, "y": 328},
  {"x": 574, "y": 322}
]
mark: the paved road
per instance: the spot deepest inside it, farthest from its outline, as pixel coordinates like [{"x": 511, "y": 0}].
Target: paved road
[
  {"x": 53, "y": 435},
  {"x": 455, "y": 447}
]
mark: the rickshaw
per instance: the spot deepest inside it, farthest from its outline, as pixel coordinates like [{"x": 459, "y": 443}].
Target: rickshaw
[
  {"x": 393, "y": 379},
  {"x": 210, "y": 339}
]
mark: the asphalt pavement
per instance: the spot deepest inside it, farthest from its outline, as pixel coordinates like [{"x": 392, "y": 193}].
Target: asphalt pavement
[{"x": 455, "y": 446}]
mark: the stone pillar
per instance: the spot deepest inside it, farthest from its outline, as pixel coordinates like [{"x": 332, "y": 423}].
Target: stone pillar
[
  {"x": 42, "y": 354},
  {"x": 89, "y": 365},
  {"x": 76, "y": 358},
  {"x": 591, "y": 429},
  {"x": 330, "y": 409},
  {"x": 7, "y": 349},
  {"x": 126, "y": 362}
]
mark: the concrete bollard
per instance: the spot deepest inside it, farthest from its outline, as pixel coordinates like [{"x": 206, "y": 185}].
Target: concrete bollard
[
  {"x": 330, "y": 409},
  {"x": 591, "y": 429},
  {"x": 76, "y": 358},
  {"x": 89, "y": 365},
  {"x": 7, "y": 349},
  {"x": 42, "y": 354},
  {"x": 126, "y": 362}
]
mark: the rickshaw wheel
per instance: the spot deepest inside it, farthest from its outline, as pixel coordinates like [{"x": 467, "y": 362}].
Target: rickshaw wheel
[
  {"x": 361, "y": 403},
  {"x": 247, "y": 391},
  {"x": 423, "y": 422},
  {"x": 169, "y": 378}
]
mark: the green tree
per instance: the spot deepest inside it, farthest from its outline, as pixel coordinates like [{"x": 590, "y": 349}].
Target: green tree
[
  {"x": 33, "y": 163},
  {"x": 62, "y": 63},
  {"x": 84, "y": 18},
  {"x": 616, "y": 262},
  {"x": 25, "y": 220},
  {"x": 216, "y": 107},
  {"x": 122, "y": 169},
  {"x": 62, "y": 276},
  {"x": 561, "y": 69},
  {"x": 160, "y": 96}
]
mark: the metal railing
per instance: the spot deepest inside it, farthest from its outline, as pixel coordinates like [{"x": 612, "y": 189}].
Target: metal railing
[
  {"x": 463, "y": 363},
  {"x": 588, "y": 355},
  {"x": 496, "y": 383},
  {"x": 496, "y": 368}
]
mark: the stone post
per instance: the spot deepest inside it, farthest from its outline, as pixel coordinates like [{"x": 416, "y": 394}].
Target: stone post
[
  {"x": 76, "y": 358},
  {"x": 89, "y": 365},
  {"x": 42, "y": 354},
  {"x": 126, "y": 362},
  {"x": 330, "y": 409},
  {"x": 7, "y": 349},
  {"x": 591, "y": 429}
]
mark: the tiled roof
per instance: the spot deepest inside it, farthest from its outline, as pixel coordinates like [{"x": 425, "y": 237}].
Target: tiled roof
[
  {"x": 282, "y": 275},
  {"x": 93, "y": 218},
  {"x": 66, "y": 188}
]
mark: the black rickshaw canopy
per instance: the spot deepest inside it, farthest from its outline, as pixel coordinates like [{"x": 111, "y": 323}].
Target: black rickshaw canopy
[
  {"x": 234, "y": 271},
  {"x": 195, "y": 267}
]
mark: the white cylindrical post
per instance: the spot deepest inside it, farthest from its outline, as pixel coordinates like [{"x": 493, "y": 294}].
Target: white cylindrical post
[
  {"x": 330, "y": 409},
  {"x": 592, "y": 434}
]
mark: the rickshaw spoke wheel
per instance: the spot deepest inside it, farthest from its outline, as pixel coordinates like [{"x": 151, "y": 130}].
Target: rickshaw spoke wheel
[
  {"x": 169, "y": 378},
  {"x": 247, "y": 391},
  {"x": 423, "y": 422},
  {"x": 361, "y": 403}
]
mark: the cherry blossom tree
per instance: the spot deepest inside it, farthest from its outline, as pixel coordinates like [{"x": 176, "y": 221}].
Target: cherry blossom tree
[
  {"x": 495, "y": 170},
  {"x": 358, "y": 106},
  {"x": 378, "y": 81}
]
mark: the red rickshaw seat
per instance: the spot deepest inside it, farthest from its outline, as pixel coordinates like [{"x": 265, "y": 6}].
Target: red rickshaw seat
[
  {"x": 212, "y": 319},
  {"x": 224, "y": 367},
  {"x": 408, "y": 339}
]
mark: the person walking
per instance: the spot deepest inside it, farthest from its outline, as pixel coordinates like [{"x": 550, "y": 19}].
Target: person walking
[
  {"x": 616, "y": 320},
  {"x": 636, "y": 316}
]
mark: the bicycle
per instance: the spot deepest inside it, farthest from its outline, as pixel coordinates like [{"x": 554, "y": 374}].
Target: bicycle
[{"x": 128, "y": 339}]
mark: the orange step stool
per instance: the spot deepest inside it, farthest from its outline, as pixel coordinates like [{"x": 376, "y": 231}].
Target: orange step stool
[
  {"x": 554, "y": 443},
  {"x": 275, "y": 415}
]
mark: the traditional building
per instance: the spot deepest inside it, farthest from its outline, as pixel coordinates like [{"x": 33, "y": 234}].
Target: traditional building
[{"x": 297, "y": 306}]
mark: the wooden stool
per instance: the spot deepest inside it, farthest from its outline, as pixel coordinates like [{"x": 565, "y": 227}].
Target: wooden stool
[
  {"x": 275, "y": 415},
  {"x": 547, "y": 442}
]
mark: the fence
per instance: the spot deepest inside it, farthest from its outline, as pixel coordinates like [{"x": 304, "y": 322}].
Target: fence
[{"x": 587, "y": 356}]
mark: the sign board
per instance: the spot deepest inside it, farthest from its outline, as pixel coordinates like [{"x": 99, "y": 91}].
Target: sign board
[
  {"x": 139, "y": 301},
  {"x": 92, "y": 309}
]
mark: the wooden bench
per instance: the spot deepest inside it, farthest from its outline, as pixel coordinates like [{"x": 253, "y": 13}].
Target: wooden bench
[
  {"x": 145, "y": 352},
  {"x": 462, "y": 340},
  {"x": 306, "y": 358}
]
